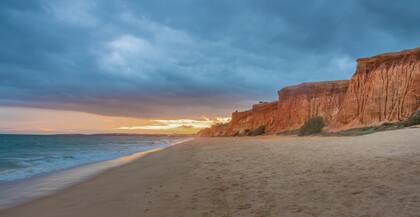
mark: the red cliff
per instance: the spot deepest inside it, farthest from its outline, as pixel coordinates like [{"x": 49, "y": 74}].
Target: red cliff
[
  {"x": 265, "y": 114},
  {"x": 240, "y": 122},
  {"x": 385, "y": 88},
  {"x": 262, "y": 114},
  {"x": 215, "y": 130},
  {"x": 299, "y": 103}
]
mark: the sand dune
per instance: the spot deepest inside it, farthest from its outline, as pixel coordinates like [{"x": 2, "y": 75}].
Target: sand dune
[{"x": 372, "y": 175}]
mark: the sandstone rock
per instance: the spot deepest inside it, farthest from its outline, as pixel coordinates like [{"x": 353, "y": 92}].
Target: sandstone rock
[
  {"x": 385, "y": 88},
  {"x": 215, "y": 130},
  {"x": 262, "y": 114},
  {"x": 265, "y": 114},
  {"x": 240, "y": 122},
  {"x": 301, "y": 102}
]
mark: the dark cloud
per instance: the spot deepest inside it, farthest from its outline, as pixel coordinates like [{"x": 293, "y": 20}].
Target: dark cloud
[{"x": 186, "y": 58}]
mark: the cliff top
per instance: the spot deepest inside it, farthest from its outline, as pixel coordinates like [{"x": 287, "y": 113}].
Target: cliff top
[
  {"x": 391, "y": 55},
  {"x": 314, "y": 87},
  {"x": 264, "y": 105}
]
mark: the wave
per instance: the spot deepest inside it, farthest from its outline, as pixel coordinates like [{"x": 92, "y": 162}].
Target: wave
[{"x": 27, "y": 158}]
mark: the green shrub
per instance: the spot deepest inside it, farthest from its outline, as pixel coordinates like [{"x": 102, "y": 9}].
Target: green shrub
[
  {"x": 312, "y": 126},
  {"x": 259, "y": 131},
  {"x": 414, "y": 119}
]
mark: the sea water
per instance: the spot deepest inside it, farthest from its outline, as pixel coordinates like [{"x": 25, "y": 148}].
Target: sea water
[
  {"x": 24, "y": 156},
  {"x": 32, "y": 166}
]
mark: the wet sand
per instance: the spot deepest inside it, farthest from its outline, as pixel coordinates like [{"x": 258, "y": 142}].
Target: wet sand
[{"x": 372, "y": 175}]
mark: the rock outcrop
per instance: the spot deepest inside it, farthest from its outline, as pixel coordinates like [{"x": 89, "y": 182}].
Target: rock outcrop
[
  {"x": 262, "y": 114},
  {"x": 384, "y": 88},
  {"x": 265, "y": 114},
  {"x": 240, "y": 121},
  {"x": 215, "y": 130},
  {"x": 299, "y": 103}
]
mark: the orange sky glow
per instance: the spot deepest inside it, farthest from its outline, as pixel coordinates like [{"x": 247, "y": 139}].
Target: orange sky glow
[{"x": 45, "y": 121}]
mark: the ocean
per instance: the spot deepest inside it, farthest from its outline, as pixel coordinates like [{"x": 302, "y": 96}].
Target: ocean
[
  {"x": 33, "y": 166},
  {"x": 25, "y": 156}
]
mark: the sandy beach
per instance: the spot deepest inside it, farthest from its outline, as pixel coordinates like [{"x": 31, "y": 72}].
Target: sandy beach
[{"x": 371, "y": 175}]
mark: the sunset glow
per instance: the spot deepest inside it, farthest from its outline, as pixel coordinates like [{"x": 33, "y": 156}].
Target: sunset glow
[
  {"x": 177, "y": 124},
  {"x": 45, "y": 121}
]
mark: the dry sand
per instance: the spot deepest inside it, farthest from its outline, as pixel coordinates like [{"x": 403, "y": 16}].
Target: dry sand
[{"x": 370, "y": 176}]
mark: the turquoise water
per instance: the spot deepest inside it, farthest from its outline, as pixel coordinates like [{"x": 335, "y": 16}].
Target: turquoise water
[{"x": 24, "y": 156}]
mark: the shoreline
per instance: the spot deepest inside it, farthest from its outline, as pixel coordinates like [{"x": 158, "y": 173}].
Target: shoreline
[
  {"x": 15, "y": 193},
  {"x": 371, "y": 175}
]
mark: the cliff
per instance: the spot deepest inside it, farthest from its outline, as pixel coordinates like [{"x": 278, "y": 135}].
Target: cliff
[
  {"x": 265, "y": 114},
  {"x": 240, "y": 121},
  {"x": 384, "y": 88},
  {"x": 296, "y": 104},
  {"x": 262, "y": 114},
  {"x": 215, "y": 130},
  {"x": 299, "y": 103}
]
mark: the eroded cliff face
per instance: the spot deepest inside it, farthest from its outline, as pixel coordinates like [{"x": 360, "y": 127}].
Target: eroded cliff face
[
  {"x": 262, "y": 114},
  {"x": 240, "y": 121},
  {"x": 385, "y": 88},
  {"x": 265, "y": 114},
  {"x": 296, "y": 105},
  {"x": 299, "y": 103},
  {"x": 215, "y": 130}
]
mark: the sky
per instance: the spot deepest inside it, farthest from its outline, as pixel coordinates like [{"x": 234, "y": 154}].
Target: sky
[{"x": 176, "y": 66}]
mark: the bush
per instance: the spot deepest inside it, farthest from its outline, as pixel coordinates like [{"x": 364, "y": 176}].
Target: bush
[
  {"x": 247, "y": 132},
  {"x": 414, "y": 119},
  {"x": 244, "y": 132},
  {"x": 259, "y": 131},
  {"x": 312, "y": 126}
]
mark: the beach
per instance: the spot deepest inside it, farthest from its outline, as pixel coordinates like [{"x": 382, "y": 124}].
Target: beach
[{"x": 371, "y": 175}]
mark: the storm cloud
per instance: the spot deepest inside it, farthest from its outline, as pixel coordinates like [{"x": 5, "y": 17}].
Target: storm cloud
[{"x": 186, "y": 58}]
